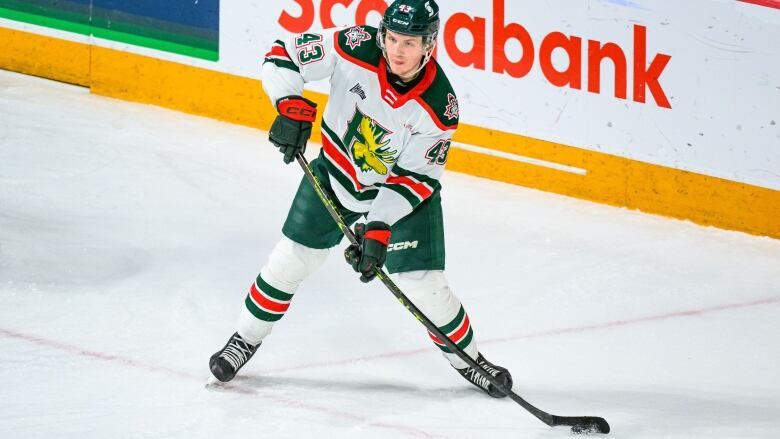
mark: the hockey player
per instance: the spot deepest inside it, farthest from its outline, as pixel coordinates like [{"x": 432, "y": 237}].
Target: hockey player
[{"x": 385, "y": 137}]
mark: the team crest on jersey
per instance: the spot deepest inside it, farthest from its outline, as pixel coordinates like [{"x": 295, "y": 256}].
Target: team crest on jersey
[
  {"x": 356, "y": 36},
  {"x": 452, "y": 111},
  {"x": 368, "y": 141}
]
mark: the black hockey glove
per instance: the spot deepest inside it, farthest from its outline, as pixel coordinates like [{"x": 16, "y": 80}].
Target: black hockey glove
[
  {"x": 371, "y": 250},
  {"x": 292, "y": 127}
]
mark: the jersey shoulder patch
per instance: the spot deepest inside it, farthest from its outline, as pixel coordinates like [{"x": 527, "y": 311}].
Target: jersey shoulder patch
[
  {"x": 441, "y": 98},
  {"x": 358, "y": 45}
]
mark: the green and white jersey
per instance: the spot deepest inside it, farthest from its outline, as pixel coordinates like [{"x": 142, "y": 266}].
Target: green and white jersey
[{"x": 385, "y": 151}]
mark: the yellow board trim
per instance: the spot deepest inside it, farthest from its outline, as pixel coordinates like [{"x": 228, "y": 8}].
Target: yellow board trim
[
  {"x": 608, "y": 179},
  {"x": 47, "y": 57}
]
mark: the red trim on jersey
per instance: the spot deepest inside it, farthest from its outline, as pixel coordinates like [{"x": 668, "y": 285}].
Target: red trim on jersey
[
  {"x": 457, "y": 335},
  {"x": 435, "y": 117},
  {"x": 388, "y": 93},
  {"x": 351, "y": 58},
  {"x": 277, "y": 50},
  {"x": 382, "y": 236},
  {"x": 343, "y": 162},
  {"x": 419, "y": 188},
  {"x": 429, "y": 74},
  {"x": 398, "y": 100},
  {"x": 266, "y": 303}
]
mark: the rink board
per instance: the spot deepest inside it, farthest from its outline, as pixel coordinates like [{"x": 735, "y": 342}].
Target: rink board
[
  {"x": 560, "y": 168},
  {"x": 181, "y": 26}
]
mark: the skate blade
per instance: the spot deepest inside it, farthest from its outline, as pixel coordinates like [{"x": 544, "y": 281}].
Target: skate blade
[{"x": 212, "y": 381}]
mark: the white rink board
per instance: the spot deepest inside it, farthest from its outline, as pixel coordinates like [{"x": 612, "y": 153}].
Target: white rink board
[{"x": 722, "y": 80}]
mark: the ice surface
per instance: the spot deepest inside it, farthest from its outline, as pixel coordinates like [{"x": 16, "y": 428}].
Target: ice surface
[{"x": 129, "y": 236}]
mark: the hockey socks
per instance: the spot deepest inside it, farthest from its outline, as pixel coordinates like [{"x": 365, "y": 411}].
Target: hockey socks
[
  {"x": 272, "y": 291},
  {"x": 458, "y": 330},
  {"x": 266, "y": 302}
]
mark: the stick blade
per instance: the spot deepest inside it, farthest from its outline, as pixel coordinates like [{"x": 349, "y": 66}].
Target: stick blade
[{"x": 583, "y": 424}]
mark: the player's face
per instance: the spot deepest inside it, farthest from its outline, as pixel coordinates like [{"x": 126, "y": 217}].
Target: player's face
[{"x": 404, "y": 53}]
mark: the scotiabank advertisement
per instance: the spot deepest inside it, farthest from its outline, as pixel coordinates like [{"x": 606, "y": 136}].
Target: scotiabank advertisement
[{"x": 691, "y": 85}]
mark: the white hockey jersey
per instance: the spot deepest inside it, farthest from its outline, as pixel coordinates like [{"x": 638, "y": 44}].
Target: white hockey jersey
[{"x": 384, "y": 151}]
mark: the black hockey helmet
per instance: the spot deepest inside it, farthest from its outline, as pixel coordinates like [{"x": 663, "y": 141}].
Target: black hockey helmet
[{"x": 411, "y": 17}]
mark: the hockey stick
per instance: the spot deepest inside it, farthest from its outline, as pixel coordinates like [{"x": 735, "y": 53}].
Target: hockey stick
[{"x": 578, "y": 424}]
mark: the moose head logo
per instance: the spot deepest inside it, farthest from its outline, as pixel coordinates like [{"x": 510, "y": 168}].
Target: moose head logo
[{"x": 369, "y": 144}]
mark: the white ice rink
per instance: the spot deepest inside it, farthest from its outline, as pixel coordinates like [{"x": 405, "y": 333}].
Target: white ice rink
[{"x": 129, "y": 236}]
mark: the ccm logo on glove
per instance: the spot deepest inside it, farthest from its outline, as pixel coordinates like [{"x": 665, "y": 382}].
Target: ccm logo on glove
[{"x": 297, "y": 108}]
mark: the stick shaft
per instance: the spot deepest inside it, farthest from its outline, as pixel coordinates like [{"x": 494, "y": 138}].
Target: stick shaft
[
  {"x": 578, "y": 423},
  {"x": 381, "y": 275}
]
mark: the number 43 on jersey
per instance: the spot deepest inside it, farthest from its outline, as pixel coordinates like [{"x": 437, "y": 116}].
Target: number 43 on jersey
[
  {"x": 309, "y": 48},
  {"x": 437, "y": 154}
]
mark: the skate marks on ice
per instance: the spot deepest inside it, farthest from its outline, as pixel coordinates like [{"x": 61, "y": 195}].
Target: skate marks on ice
[
  {"x": 351, "y": 388},
  {"x": 295, "y": 395},
  {"x": 677, "y": 415},
  {"x": 461, "y": 412},
  {"x": 263, "y": 387}
]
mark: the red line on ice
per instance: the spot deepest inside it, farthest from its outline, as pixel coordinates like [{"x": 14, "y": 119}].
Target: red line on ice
[
  {"x": 571, "y": 330},
  {"x": 129, "y": 362},
  {"x": 125, "y": 361},
  {"x": 78, "y": 351},
  {"x": 616, "y": 323}
]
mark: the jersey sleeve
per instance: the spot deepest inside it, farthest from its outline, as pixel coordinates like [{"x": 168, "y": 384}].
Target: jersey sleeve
[
  {"x": 413, "y": 179},
  {"x": 299, "y": 59}
]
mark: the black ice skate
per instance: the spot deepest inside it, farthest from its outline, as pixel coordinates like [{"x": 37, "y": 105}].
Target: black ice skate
[
  {"x": 474, "y": 377},
  {"x": 225, "y": 363}
]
